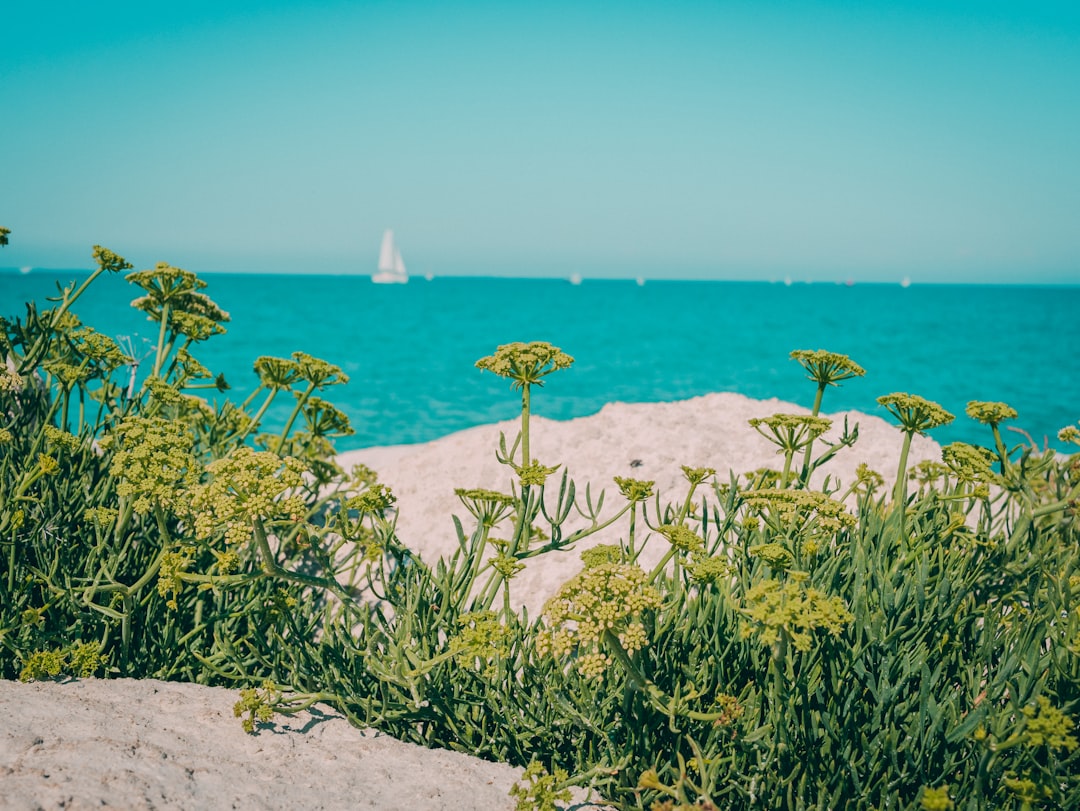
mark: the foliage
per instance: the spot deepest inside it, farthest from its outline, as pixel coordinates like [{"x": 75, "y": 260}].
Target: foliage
[{"x": 846, "y": 646}]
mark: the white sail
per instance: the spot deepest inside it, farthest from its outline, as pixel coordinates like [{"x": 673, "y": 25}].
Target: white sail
[{"x": 391, "y": 265}]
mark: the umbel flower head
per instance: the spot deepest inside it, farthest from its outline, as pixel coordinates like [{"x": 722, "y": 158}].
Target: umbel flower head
[
  {"x": 790, "y": 431},
  {"x": 244, "y": 487},
  {"x": 915, "y": 414},
  {"x": 177, "y": 290},
  {"x": 990, "y": 413},
  {"x": 772, "y": 608},
  {"x": 154, "y": 462},
  {"x": 827, "y": 368},
  {"x": 603, "y": 597},
  {"x": 525, "y": 363}
]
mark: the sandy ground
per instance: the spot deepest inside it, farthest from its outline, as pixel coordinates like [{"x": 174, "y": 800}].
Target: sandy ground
[{"x": 151, "y": 745}]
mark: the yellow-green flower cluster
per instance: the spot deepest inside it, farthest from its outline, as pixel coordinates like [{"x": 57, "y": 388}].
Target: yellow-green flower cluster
[
  {"x": 277, "y": 373},
  {"x": 101, "y": 517},
  {"x": 696, "y": 475},
  {"x": 1046, "y": 725},
  {"x": 928, "y": 471},
  {"x": 990, "y": 413},
  {"x": 324, "y": 418},
  {"x": 772, "y": 608},
  {"x": 538, "y": 790},
  {"x": 601, "y": 554},
  {"x": 634, "y": 489},
  {"x": 486, "y": 506},
  {"x": 915, "y": 414},
  {"x": 525, "y": 363},
  {"x": 868, "y": 480},
  {"x": 161, "y": 391},
  {"x": 535, "y": 473},
  {"x": 681, "y": 537},
  {"x": 1070, "y": 433},
  {"x": 63, "y": 441},
  {"x": 791, "y": 431},
  {"x": 81, "y": 659},
  {"x": 375, "y": 500},
  {"x": 170, "y": 583},
  {"x": 827, "y": 368},
  {"x": 708, "y": 569},
  {"x": 244, "y": 487},
  {"x": 109, "y": 261},
  {"x": 775, "y": 555},
  {"x": 153, "y": 462},
  {"x": 936, "y": 799},
  {"x": 969, "y": 463},
  {"x": 257, "y": 704},
  {"x": 480, "y": 642},
  {"x": 605, "y": 597},
  {"x": 791, "y": 505},
  {"x": 177, "y": 290},
  {"x": 507, "y": 565},
  {"x": 99, "y": 348},
  {"x": 10, "y": 380},
  {"x": 317, "y": 371}
]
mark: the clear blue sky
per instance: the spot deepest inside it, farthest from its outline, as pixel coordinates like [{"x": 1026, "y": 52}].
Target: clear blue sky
[{"x": 827, "y": 140}]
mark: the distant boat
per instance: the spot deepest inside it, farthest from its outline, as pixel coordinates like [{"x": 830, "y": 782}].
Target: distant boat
[
  {"x": 905, "y": 282},
  {"x": 391, "y": 267},
  {"x": 640, "y": 281},
  {"x": 575, "y": 278},
  {"x": 25, "y": 269}
]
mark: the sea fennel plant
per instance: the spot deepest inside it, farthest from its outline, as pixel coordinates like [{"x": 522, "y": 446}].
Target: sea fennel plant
[{"x": 793, "y": 647}]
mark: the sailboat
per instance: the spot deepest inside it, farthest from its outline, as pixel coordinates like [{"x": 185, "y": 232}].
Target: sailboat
[{"x": 391, "y": 268}]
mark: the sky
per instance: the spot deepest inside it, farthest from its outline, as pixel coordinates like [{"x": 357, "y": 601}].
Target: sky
[{"x": 728, "y": 140}]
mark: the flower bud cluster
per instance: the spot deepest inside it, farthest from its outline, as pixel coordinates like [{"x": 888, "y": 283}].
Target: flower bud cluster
[
  {"x": 990, "y": 413},
  {"x": 634, "y": 489},
  {"x": 827, "y": 368},
  {"x": 772, "y": 607},
  {"x": 535, "y": 473},
  {"x": 682, "y": 537},
  {"x": 153, "y": 461},
  {"x": 775, "y": 555},
  {"x": 246, "y": 486},
  {"x": 375, "y": 500},
  {"x": 1046, "y": 725},
  {"x": 802, "y": 505},
  {"x": 970, "y": 463},
  {"x": 696, "y": 475},
  {"x": 10, "y": 380},
  {"x": 915, "y": 414},
  {"x": 604, "y": 597},
  {"x": 525, "y": 363},
  {"x": 481, "y": 641},
  {"x": 1070, "y": 433},
  {"x": 791, "y": 431},
  {"x": 99, "y": 348},
  {"x": 62, "y": 441},
  {"x": 486, "y": 506}
]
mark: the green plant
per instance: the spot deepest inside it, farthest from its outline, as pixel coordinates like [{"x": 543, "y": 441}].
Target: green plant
[{"x": 838, "y": 647}]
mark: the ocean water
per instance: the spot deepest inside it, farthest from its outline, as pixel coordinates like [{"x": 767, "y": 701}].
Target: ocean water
[{"x": 410, "y": 349}]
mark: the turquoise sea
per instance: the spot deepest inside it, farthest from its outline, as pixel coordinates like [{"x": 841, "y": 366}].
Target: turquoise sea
[{"x": 409, "y": 349}]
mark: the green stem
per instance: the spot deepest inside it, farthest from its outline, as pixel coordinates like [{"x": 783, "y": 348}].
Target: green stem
[
  {"x": 525, "y": 457},
  {"x": 805, "y": 477},
  {"x": 159, "y": 357},
  {"x": 295, "y": 413}
]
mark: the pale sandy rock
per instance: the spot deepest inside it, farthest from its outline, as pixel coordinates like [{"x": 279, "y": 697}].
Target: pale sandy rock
[{"x": 143, "y": 744}]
